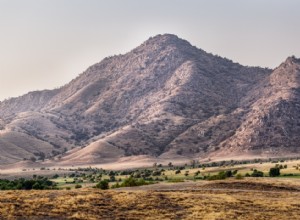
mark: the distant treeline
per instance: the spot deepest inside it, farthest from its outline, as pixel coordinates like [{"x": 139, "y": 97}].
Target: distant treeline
[{"x": 39, "y": 183}]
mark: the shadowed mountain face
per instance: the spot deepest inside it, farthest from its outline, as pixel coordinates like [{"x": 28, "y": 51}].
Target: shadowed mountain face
[{"x": 166, "y": 98}]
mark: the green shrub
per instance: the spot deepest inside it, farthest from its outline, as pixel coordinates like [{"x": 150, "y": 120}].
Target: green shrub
[
  {"x": 39, "y": 183},
  {"x": 239, "y": 176},
  {"x": 36, "y": 186},
  {"x": 220, "y": 176},
  {"x": 177, "y": 171},
  {"x": 55, "y": 176},
  {"x": 103, "y": 184},
  {"x": 274, "y": 171},
  {"x": 117, "y": 185},
  {"x": 228, "y": 173},
  {"x": 78, "y": 186},
  {"x": 131, "y": 182},
  {"x": 257, "y": 173}
]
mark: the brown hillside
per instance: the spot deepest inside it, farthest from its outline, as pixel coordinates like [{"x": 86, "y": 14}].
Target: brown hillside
[{"x": 166, "y": 99}]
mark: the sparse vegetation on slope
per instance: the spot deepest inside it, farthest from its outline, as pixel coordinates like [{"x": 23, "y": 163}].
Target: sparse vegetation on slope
[{"x": 165, "y": 98}]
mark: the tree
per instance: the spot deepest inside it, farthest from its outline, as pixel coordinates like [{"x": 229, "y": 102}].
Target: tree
[
  {"x": 103, "y": 184},
  {"x": 42, "y": 156},
  {"x": 228, "y": 173},
  {"x": 193, "y": 163},
  {"x": 36, "y": 186},
  {"x": 257, "y": 173},
  {"x": 112, "y": 178},
  {"x": 274, "y": 171},
  {"x": 186, "y": 173},
  {"x": 33, "y": 159},
  {"x": 197, "y": 173},
  {"x": 177, "y": 171}
]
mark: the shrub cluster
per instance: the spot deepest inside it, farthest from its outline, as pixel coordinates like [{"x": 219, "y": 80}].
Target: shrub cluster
[
  {"x": 255, "y": 173},
  {"x": 39, "y": 183},
  {"x": 131, "y": 182},
  {"x": 221, "y": 175}
]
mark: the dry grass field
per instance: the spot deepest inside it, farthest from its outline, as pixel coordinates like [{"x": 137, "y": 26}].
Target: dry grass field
[{"x": 227, "y": 199}]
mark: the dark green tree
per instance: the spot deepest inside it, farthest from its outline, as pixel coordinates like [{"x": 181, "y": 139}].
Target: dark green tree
[
  {"x": 274, "y": 171},
  {"x": 103, "y": 184}
]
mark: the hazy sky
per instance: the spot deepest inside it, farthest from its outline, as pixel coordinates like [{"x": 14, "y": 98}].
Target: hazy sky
[{"x": 46, "y": 43}]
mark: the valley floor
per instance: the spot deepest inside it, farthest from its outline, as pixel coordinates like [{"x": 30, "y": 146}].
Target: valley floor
[{"x": 225, "y": 199}]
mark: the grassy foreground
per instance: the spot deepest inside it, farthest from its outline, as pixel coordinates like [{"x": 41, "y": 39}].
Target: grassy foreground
[{"x": 226, "y": 199}]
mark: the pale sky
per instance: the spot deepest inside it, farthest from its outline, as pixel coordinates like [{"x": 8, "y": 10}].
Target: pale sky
[{"x": 46, "y": 43}]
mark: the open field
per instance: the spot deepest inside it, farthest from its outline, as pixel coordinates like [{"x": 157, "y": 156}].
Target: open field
[
  {"x": 89, "y": 176},
  {"x": 293, "y": 167},
  {"x": 250, "y": 198},
  {"x": 175, "y": 195}
]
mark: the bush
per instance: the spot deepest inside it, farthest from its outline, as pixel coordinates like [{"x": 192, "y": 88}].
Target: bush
[
  {"x": 220, "y": 176},
  {"x": 78, "y": 186},
  {"x": 55, "y": 176},
  {"x": 228, "y": 173},
  {"x": 239, "y": 176},
  {"x": 117, "y": 185},
  {"x": 131, "y": 182},
  {"x": 257, "y": 173},
  {"x": 36, "y": 186},
  {"x": 103, "y": 184},
  {"x": 197, "y": 173},
  {"x": 274, "y": 171}
]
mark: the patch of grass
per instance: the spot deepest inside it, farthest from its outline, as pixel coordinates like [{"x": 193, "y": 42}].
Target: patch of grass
[
  {"x": 248, "y": 203},
  {"x": 178, "y": 180},
  {"x": 131, "y": 182}
]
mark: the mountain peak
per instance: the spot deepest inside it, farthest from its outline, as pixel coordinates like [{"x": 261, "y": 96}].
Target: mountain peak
[
  {"x": 166, "y": 40},
  {"x": 167, "y": 37},
  {"x": 292, "y": 59}
]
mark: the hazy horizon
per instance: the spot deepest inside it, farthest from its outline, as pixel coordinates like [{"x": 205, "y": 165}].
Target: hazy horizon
[{"x": 45, "y": 44}]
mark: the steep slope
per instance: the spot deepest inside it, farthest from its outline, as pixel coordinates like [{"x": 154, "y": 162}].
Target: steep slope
[
  {"x": 166, "y": 99},
  {"x": 272, "y": 123},
  {"x": 164, "y": 87},
  {"x": 32, "y": 101}
]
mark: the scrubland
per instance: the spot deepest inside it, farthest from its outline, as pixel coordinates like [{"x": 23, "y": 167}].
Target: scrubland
[{"x": 250, "y": 198}]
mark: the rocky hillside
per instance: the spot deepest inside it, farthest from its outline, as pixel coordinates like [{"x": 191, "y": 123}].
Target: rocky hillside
[{"x": 166, "y": 99}]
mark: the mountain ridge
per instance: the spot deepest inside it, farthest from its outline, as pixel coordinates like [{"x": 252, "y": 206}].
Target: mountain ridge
[{"x": 165, "y": 99}]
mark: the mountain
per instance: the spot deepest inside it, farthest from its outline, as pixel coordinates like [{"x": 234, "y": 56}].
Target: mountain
[
  {"x": 165, "y": 99},
  {"x": 272, "y": 123}
]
